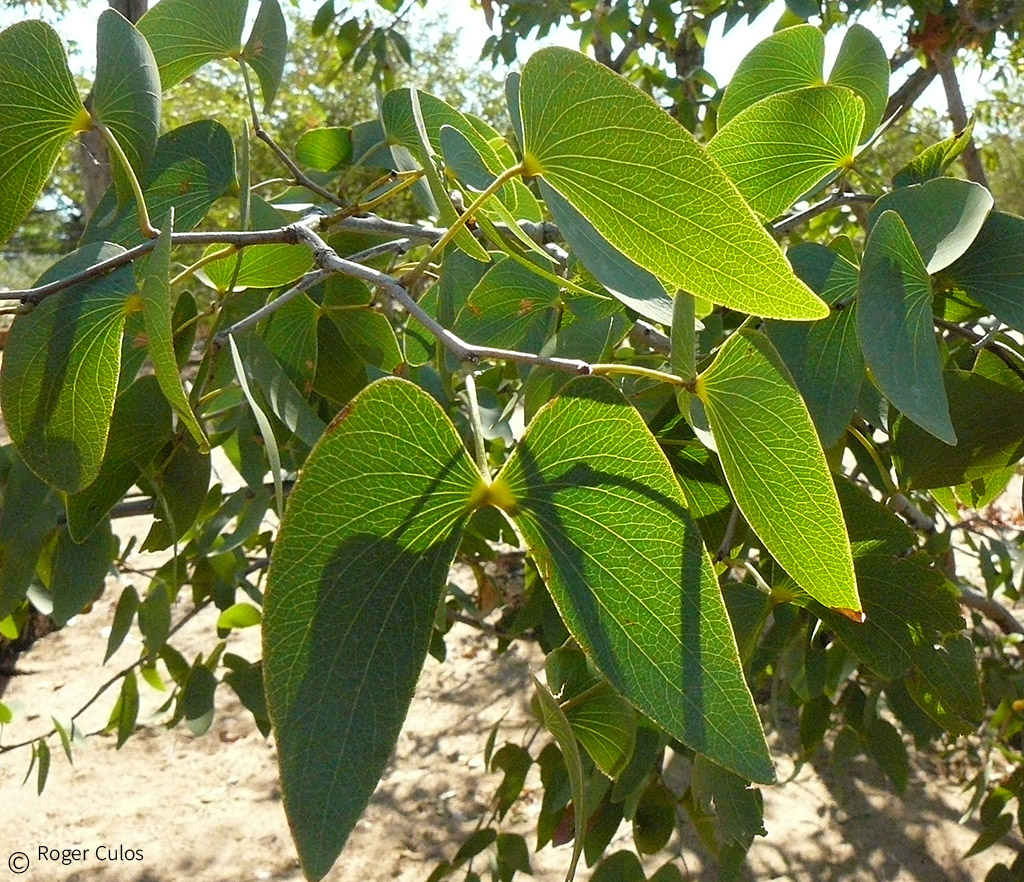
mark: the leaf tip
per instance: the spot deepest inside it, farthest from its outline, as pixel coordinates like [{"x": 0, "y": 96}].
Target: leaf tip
[{"x": 854, "y": 615}]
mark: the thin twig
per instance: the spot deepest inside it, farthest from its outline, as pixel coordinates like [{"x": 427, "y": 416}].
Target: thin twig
[
  {"x": 983, "y": 341},
  {"x": 308, "y": 281},
  {"x": 992, "y": 610},
  {"x": 836, "y": 200},
  {"x": 970, "y": 157}
]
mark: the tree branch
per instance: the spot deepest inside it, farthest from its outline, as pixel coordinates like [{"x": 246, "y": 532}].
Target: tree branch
[
  {"x": 992, "y": 610},
  {"x": 837, "y": 199},
  {"x": 904, "y": 97},
  {"x": 970, "y": 158}
]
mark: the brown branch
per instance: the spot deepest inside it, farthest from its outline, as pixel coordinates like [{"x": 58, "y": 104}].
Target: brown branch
[
  {"x": 904, "y": 97},
  {"x": 992, "y": 610},
  {"x": 970, "y": 158},
  {"x": 837, "y": 199}
]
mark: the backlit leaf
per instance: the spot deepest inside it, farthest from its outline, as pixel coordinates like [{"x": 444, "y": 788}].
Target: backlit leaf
[
  {"x": 777, "y": 150},
  {"x": 325, "y": 149},
  {"x": 775, "y": 466},
  {"x": 607, "y": 526},
  {"x": 894, "y": 323},
  {"x": 187, "y": 34},
  {"x": 39, "y": 110},
  {"x": 934, "y": 160},
  {"x": 60, "y": 369},
  {"x": 156, "y": 309},
  {"x": 863, "y": 65},
  {"x": 649, "y": 189},
  {"x": 266, "y": 48},
  {"x": 193, "y": 166},
  {"x": 348, "y": 618}
]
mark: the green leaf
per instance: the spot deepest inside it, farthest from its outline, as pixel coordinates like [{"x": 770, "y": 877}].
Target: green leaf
[
  {"x": 263, "y": 266},
  {"x": 604, "y": 519},
  {"x": 287, "y": 403},
  {"x": 28, "y": 516},
  {"x": 556, "y": 723},
  {"x": 862, "y": 65},
  {"x": 622, "y": 866},
  {"x": 325, "y": 149},
  {"x": 126, "y": 709},
  {"x": 266, "y": 49},
  {"x": 39, "y": 110},
  {"x": 630, "y": 283},
  {"x": 187, "y": 34},
  {"x": 156, "y": 310},
  {"x": 943, "y": 217},
  {"x": 197, "y": 699},
  {"x": 78, "y": 571},
  {"x": 945, "y": 684},
  {"x": 649, "y": 188},
  {"x": 794, "y": 58},
  {"x": 348, "y": 618},
  {"x": 873, "y": 528},
  {"x": 894, "y": 323},
  {"x": 988, "y": 419},
  {"x": 370, "y": 335},
  {"x": 885, "y": 744},
  {"x": 139, "y": 427},
  {"x": 827, "y": 366},
  {"x": 933, "y": 161},
  {"x": 783, "y": 146},
  {"x": 180, "y": 478},
  {"x": 126, "y": 93},
  {"x": 789, "y": 59},
  {"x": 906, "y": 606},
  {"x": 42, "y": 750},
  {"x": 239, "y": 615},
  {"x": 654, "y": 819},
  {"x": 775, "y": 467},
  {"x": 124, "y": 615},
  {"x": 510, "y": 308},
  {"x": 60, "y": 369},
  {"x": 991, "y": 271},
  {"x": 738, "y": 807},
  {"x": 193, "y": 166}
]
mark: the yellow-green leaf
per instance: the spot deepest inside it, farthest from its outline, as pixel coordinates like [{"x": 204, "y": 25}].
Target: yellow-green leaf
[
  {"x": 650, "y": 189},
  {"x": 775, "y": 467},
  {"x": 39, "y": 110}
]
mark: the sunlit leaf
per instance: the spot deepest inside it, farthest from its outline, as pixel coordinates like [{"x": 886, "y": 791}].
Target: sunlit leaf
[
  {"x": 187, "y": 34},
  {"x": 649, "y": 189},
  {"x": 606, "y": 524},
  {"x": 266, "y": 49},
  {"x": 775, "y": 466},
  {"x": 39, "y": 111},
  {"x": 777, "y": 150}
]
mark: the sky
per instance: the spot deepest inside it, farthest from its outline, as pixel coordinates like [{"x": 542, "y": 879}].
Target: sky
[{"x": 723, "y": 52}]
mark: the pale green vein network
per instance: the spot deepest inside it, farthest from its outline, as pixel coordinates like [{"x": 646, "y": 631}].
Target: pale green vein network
[{"x": 776, "y": 469}]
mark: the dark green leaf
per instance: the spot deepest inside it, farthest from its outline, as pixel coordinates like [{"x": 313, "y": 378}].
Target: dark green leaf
[
  {"x": 78, "y": 571},
  {"x": 124, "y": 615},
  {"x": 394, "y": 521},
  {"x": 943, "y": 217},
  {"x": 126, "y": 709},
  {"x": 197, "y": 698},
  {"x": 654, "y": 819},
  {"x": 27, "y": 517},
  {"x": 894, "y": 323},
  {"x": 945, "y": 683},
  {"x": 606, "y": 523},
  {"x": 622, "y": 866},
  {"x": 992, "y": 269},
  {"x": 988, "y": 419},
  {"x": 179, "y": 477},
  {"x": 266, "y": 48},
  {"x": 886, "y": 747},
  {"x": 907, "y": 607},
  {"x": 126, "y": 93},
  {"x": 738, "y": 807}
]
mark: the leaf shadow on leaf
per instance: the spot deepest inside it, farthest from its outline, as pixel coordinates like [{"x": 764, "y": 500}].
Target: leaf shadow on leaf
[
  {"x": 351, "y": 677},
  {"x": 568, "y": 559}
]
